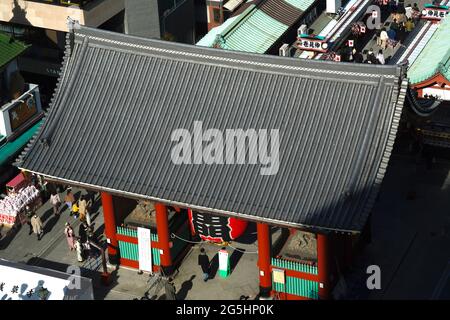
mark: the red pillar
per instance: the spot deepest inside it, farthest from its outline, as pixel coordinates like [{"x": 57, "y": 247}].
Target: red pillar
[
  {"x": 162, "y": 226},
  {"x": 110, "y": 226},
  {"x": 264, "y": 259},
  {"x": 323, "y": 261}
]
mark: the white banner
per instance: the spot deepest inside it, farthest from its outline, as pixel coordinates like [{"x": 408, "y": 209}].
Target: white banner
[
  {"x": 145, "y": 249},
  {"x": 18, "y": 284},
  {"x": 223, "y": 260}
]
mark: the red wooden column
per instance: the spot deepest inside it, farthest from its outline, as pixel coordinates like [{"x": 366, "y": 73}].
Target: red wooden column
[
  {"x": 162, "y": 226},
  {"x": 323, "y": 261},
  {"x": 264, "y": 259},
  {"x": 110, "y": 227}
]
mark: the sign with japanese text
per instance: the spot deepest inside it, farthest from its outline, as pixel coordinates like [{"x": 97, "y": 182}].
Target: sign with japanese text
[
  {"x": 22, "y": 112},
  {"x": 308, "y": 43},
  {"x": 18, "y": 284},
  {"x": 433, "y": 12},
  {"x": 145, "y": 249}
]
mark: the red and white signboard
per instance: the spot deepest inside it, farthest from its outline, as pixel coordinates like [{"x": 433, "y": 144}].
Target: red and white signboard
[
  {"x": 434, "y": 12},
  {"x": 311, "y": 44}
]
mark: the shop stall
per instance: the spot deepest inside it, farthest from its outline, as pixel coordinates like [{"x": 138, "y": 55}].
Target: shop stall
[{"x": 21, "y": 193}]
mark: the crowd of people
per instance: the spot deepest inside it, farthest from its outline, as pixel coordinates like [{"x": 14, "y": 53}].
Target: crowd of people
[
  {"x": 78, "y": 209},
  {"x": 403, "y": 21}
]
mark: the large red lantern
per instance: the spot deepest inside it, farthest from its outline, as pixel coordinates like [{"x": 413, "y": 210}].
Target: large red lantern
[{"x": 216, "y": 228}]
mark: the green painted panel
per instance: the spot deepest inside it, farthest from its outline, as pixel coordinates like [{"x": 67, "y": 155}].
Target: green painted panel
[
  {"x": 131, "y": 250},
  {"x": 155, "y": 257},
  {"x": 295, "y": 266},
  {"x": 298, "y": 287}
]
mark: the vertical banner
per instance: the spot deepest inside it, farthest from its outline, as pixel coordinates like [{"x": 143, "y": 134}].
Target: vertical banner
[{"x": 145, "y": 249}]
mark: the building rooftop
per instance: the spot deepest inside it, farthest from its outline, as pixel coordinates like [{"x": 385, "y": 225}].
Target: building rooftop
[
  {"x": 336, "y": 121},
  {"x": 435, "y": 57},
  {"x": 258, "y": 27},
  {"x": 9, "y": 49}
]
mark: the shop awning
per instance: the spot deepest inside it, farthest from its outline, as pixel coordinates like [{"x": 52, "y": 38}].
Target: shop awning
[
  {"x": 336, "y": 122},
  {"x": 11, "y": 148}
]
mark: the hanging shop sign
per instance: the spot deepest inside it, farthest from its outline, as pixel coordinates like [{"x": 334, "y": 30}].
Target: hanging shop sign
[
  {"x": 312, "y": 43},
  {"x": 145, "y": 249},
  {"x": 434, "y": 12}
]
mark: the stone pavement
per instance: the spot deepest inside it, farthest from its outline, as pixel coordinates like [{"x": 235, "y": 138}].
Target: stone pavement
[
  {"x": 20, "y": 246},
  {"x": 410, "y": 233},
  {"x": 52, "y": 251},
  {"x": 188, "y": 280},
  {"x": 389, "y": 51}
]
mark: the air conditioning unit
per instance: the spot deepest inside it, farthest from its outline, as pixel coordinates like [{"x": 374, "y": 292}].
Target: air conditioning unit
[
  {"x": 302, "y": 30},
  {"x": 284, "y": 50},
  {"x": 333, "y": 6}
]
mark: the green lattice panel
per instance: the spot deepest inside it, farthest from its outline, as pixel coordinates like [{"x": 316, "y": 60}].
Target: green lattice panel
[
  {"x": 295, "y": 266},
  {"x": 131, "y": 251},
  {"x": 298, "y": 287}
]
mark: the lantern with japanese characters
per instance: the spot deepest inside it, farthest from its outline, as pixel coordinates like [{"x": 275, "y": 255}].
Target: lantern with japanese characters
[{"x": 216, "y": 229}]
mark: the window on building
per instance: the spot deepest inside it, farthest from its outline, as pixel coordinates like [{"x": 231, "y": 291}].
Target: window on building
[{"x": 216, "y": 13}]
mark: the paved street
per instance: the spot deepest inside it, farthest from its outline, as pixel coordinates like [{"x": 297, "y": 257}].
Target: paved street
[{"x": 411, "y": 233}]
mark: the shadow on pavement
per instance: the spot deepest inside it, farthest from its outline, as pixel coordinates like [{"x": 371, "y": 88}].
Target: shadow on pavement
[
  {"x": 235, "y": 257},
  {"x": 50, "y": 224},
  {"x": 214, "y": 266},
  {"x": 185, "y": 288},
  {"x": 7, "y": 237}
]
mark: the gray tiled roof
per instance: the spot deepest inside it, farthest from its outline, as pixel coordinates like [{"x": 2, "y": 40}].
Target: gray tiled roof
[{"x": 119, "y": 98}]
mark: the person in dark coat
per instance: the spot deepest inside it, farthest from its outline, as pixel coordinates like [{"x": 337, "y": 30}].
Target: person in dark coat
[
  {"x": 83, "y": 232},
  {"x": 170, "y": 290},
  {"x": 357, "y": 56},
  {"x": 203, "y": 262},
  {"x": 28, "y": 215}
]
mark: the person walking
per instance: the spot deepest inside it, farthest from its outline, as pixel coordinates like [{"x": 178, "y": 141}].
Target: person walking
[
  {"x": 83, "y": 207},
  {"x": 83, "y": 232},
  {"x": 383, "y": 38},
  {"x": 69, "y": 199},
  {"x": 28, "y": 215},
  {"x": 380, "y": 57},
  {"x": 79, "y": 248},
  {"x": 38, "y": 227},
  {"x": 70, "y": 236},
  {"x": 55, "y": 201},
  {"x": 170, "y": 290},
  {"x": 203, "y": 262},
  {"x": 357, "y": 56},
  {"x": 415, "y": 13},
  {"x": 409, "y": 25}
]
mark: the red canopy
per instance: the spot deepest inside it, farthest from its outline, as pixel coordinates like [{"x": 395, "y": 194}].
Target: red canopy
[{"x": 17, "y": 182}]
